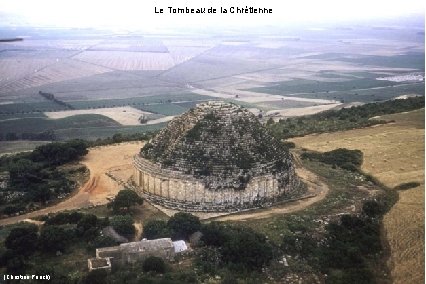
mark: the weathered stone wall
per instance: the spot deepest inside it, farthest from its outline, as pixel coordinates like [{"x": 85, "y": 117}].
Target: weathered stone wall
[{"x": 179, "y": 191}]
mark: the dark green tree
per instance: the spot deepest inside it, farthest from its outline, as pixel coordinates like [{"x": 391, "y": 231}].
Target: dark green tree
[
  {"x": 87, "y": 222},
  {"x": 154, "y": 264},
  {"x": 59, "y": 153},
  {"x": 183, "y": 225},
  {"x": 96, "y": 277},
  {"x": 88, "y": 226},
  {"x": 123, "y": 224},
  {"x": 22, "y": 240},
  {"x": 215, "y": 234},
  {"x": 53, "y": 239},
  {"x": 155, "y": 229},
  {"x": 125, "y": 199},
  {"x": 372, "y": 208},
  {"x": 247, "y": 249},
  {"x": 16, "y": 265},
  {"x": 101, "y": 241}
]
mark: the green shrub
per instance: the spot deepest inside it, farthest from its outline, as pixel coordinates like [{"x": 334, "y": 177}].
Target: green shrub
[
  {"x": 59, "y": 153},
  {"x": 64, "y": 218},
  {"x": 407, "y": 185},
  {"x": 53, "y": 239},
  {"x": 208, "y": 259},
  {"x": 96, "y": 277},
  {"x": 183, "y": 225},
  {"x": 22, "y": 240},
  {"x": 125, "y": 199},
  {"x": 155, "y": 229},
  {"x": 87, "y": 222},
  {"x": 289, "y": 144},
  {"x": 215, "y": 234},
  {"x": 100, "y": 242},
  {"x": 123, "y": 224},
  {"x": 154, "y": 264},
  {"x": 8, "y": 210},
  {"x": 372, "y": 208},
  {"x": 246, "y": 249},
  {"x": 347, "y": 159}
]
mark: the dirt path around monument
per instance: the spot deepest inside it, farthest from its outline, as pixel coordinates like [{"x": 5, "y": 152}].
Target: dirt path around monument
[
  {"x": 117, "y": 159},
  {"x": 100, "y": 188}
]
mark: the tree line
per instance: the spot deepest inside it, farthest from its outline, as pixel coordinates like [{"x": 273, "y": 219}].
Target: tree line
[{"x": 343, "y": 119}]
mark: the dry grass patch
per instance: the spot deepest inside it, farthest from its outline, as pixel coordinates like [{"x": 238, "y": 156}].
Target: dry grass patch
[{"x": 123, "y": 115}]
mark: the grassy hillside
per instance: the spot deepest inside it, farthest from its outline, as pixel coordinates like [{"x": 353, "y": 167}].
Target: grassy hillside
[{"x": 393, "y": 153}]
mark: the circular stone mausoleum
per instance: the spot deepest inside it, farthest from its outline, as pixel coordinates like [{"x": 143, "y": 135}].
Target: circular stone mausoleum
[{"x": 215, "y": 157}]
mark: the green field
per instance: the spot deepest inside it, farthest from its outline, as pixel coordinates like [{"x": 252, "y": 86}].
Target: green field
[
  {"x": 410, "y": 60},
  {"x": 28, "y": 118},
  {"x": 37, "y": 125},
  {"x": 103, "y": 132},
  {"x": 22, "y": 115},
  {"x": 22, "y": 108},
  {"x": 165, "y": 109},
  {"x": 139, "y": 102}
]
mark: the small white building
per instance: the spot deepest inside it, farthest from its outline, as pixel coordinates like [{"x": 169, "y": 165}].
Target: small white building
[
  {"x": 180, "y": 246},
  {"x": 131, "y": 252}
]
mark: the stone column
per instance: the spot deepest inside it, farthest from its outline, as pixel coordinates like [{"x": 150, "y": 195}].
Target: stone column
[
  {"x": 194, "y": 192},
  {"x": 147, "y": 183},
  {"x": 203, "y": 200},
  {"x": 266, "y": 187}
]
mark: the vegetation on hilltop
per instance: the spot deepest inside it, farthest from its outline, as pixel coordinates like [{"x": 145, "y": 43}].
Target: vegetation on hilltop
[
  {"x": 27, "y": 243},
  {"x": 35, "y": 179},
  {"x": 347, "y": 159},
  {"x": 120, "y": 137},
  {"x": 343, "y": 119}
]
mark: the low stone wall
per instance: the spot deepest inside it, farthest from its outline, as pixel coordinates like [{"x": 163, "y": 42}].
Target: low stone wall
[{"x": 178, "y": 191}]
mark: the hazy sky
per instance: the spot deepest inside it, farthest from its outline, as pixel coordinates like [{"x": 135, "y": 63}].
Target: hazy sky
[{"x": 123, "y": 14}]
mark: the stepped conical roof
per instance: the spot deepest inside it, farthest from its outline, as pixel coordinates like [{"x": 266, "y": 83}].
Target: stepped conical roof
[{"x": 221, "y": 143}]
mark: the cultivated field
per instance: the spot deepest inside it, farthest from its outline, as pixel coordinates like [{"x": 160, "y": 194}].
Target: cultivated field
[
  {"x": 60, "y": 70},
  {"x": 123, "y": 115},
  {"x": 289, "y": 73},
  {"x": 124, "y": 60},
  {"x": 394, "y": 153}
]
